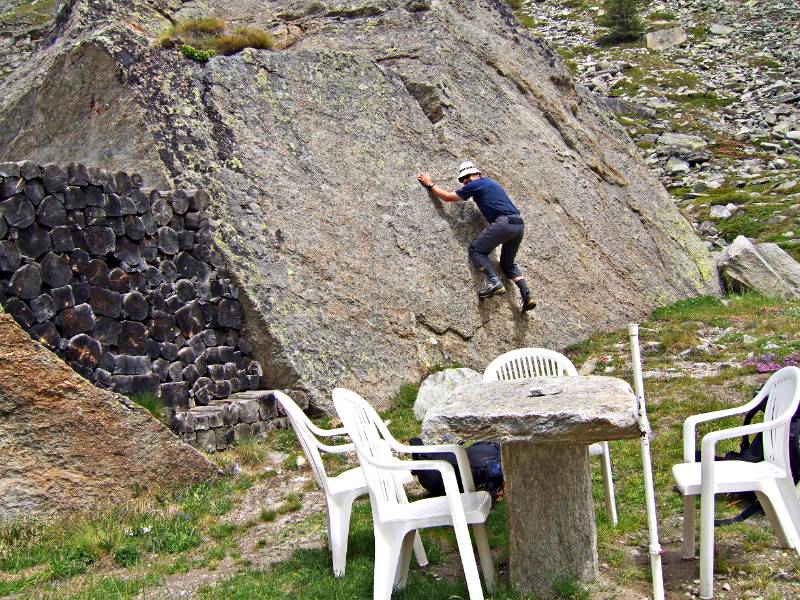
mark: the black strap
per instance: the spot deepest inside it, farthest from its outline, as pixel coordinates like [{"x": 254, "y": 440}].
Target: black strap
[{"x": 748, "y": 512}]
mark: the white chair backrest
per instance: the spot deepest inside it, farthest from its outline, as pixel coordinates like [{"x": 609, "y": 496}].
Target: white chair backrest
[
  {"x": 303, "y": 429},
  {"x": 783, "y": 396},
  {"x": 526, "y": 363},
  {"x": 369, "y": 435}
]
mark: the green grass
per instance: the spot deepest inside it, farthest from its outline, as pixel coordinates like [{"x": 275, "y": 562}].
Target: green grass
[
  {"x": 151, "y": 402},
  {"x": 404, "y": 424},
  {"x": 250, "y": 451}
]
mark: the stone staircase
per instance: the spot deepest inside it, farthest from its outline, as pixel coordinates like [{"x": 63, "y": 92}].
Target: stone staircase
[{"x": 222, "y": 422}]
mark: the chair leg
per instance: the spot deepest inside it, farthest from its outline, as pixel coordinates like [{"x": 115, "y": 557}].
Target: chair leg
[
  {"x": 608, "y": 484},
  {"x": 707, "y": 545},
  {"x": 339, "y": 510},
  {"x": 781, "y": 507},
  {"x": 689, "y": 518},
  {"x": 485, "y": 555},
  {"x": 401, "y": 576},
  {"x": 388, "y": 542},
  {"x": 468, "y": 561},
  {"x": 419, "y": 550},
  {"x": 776, "y": 515},
  {"x": 789, "y": 495}
]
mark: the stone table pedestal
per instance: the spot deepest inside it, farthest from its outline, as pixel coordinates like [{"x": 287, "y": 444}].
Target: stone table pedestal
[{"x": 545, "y": 455}]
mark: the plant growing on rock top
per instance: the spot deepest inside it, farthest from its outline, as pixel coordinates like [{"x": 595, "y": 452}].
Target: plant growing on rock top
[
  {"x": 622, "y": 17},
  {"x": 196, "y": 55},
  {"x": 200, "y": 38}
]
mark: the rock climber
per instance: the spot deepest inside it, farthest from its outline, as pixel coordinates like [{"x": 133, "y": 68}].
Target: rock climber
[{"x": 505, "y": 228}]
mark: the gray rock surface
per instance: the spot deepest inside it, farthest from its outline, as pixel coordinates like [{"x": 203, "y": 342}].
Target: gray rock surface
[
  {"x": 665, "y": 38},
  {"x": 351, "y": 274},
  {"x": 764, "y": 268},
  {"x": 69, "y": 446},
  {"x": 586, "y": 410},
  {"x": 438, "y": 386}
]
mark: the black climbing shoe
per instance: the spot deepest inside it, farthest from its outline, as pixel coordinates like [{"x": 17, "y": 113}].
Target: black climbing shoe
[
  {"x": 492, "y": 287},
  {"x": 528, "y": 302}
]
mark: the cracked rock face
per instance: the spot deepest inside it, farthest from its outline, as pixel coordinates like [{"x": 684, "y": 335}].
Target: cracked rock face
[{"x": 351, "y": 274}]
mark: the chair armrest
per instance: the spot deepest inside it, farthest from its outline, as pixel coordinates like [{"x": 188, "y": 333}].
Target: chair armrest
[
  {"x": 338, "y": 431},
  {"x": 337, "y": 449},
  {"x": 462, "y": 459},
  {"x": 709, "y": 443},
  {"x": 445, "y": 469},
  {"x": 691, "y": 423},
  {"x": 710, "y": 440}
]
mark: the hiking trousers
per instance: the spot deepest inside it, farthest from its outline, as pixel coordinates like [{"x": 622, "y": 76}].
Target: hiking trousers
[{"x": 507, "y": 230}]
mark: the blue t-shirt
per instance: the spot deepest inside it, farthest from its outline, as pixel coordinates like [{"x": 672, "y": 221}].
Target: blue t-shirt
[{"x": 490, "y": 197}]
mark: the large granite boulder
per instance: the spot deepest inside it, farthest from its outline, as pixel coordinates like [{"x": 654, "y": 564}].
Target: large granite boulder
[
  {"x": 764, "y": 268},
  {"x": 68, "y": 446},
  {"x": 438, "y": 386},
  {"x": 351, "y": 273}
]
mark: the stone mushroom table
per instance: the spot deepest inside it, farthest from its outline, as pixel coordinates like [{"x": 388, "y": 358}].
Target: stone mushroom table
[{"x": 545, "y": 463}]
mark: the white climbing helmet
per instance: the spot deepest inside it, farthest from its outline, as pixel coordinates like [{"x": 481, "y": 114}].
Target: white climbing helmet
[{"x": 467, "y": 168}]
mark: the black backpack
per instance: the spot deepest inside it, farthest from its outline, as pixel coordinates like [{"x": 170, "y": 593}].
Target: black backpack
[
  {"x": 484, "y": 460},
  {"x": 753, "y": 451}
]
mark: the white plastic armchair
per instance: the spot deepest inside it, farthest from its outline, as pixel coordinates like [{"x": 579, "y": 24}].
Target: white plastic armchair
[
  {"x": 770, "y": 479},
  {"x": 394, "y": 521},
  {"x": 527, "y": 363},
  {"x": 341, "y": 490}
]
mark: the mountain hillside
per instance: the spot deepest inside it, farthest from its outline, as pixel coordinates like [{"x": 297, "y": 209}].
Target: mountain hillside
[{"x": 715, "y": 113}]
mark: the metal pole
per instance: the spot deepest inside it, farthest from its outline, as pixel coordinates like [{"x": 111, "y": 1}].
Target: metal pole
[{"x": 647, "y": 467}]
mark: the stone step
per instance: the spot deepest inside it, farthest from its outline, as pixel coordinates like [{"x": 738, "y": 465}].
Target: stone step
[{"x": 224, "y": 421}]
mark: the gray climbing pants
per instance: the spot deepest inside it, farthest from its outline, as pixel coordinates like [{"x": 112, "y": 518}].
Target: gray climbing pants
[{"x": 506, "y": 230}]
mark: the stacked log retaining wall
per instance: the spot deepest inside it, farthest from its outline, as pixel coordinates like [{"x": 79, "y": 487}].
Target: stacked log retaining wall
[{"x": 123, "y": 283}]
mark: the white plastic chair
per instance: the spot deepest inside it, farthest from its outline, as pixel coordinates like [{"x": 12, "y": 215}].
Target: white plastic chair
[
  {"x": 526, "y": 363},
  {"x": 341, "y": 490},
  {"x": 771, "y": 479},
  {"x": 394, "y": 520}
]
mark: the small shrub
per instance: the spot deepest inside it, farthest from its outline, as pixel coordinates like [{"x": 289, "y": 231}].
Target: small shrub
[
  {"x": 196, "y": 55},
  {"x": 241, "y": 38},
  {"x": 292, "y": 503},
  {"x": 200, "y": 26},
  {"x": 569, "y": 589},
  {"x": 661, "y": 16},
  {"x": 172, "y": 535},
  {"x": 749, "y": 223},
  {"x": 127, "y": 556},
  {"x": 267, "y": 515},
  {"x": 622, "y": 18},
  {"x": 70, "y": 562},
  {"x": 201, "y": 38}
]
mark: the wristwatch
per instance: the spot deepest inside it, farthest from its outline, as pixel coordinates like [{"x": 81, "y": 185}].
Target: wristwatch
[{"x": 430, "y": 187}]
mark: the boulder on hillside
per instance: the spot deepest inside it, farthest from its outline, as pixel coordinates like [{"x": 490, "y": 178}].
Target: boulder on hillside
[
  {"x": 665, "y": 38},
  {"x": 437, "y": 387},
  {"x": 764, "y": 268},
  {"x": 352, "y": 274},
  {"x": 69, "y": 446}
]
